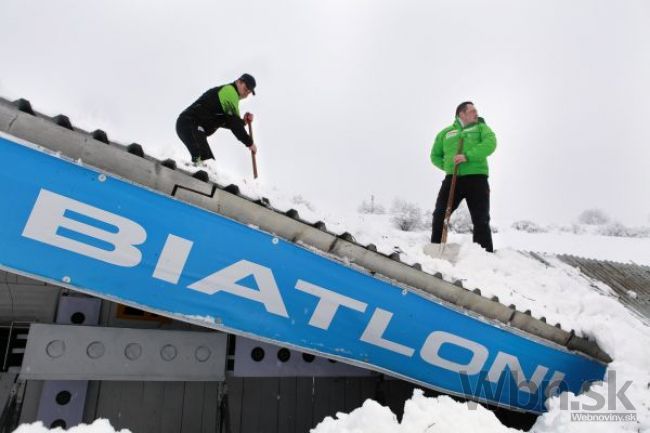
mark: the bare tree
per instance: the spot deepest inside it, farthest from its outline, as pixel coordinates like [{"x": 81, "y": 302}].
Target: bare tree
[
  {"x": 594, "y": 217},
  {"x": 617, "y": 229},
  {"x": 406, "y": 216},
  {"x": 371, "y": 207},
  {"x": 461, "y": 220},
  {"x": 528, "y": 227}
]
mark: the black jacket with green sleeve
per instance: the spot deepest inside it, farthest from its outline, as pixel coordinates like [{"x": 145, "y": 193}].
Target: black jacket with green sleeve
[{"x": 219, "y": 108}]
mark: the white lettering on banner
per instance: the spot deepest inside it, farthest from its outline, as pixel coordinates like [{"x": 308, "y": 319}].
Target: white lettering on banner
[
  {"x": 226, "y": 280},
  {"x": 374, "y": 332},
  {"x": 431, "y": 348},
  {"x": 554, "y": 384},
  {"x": 172, "y": 259},
  {"x": 504, "y": 360},
  {"x": 328, "y": 304},
  {"x": 48, "y": 215}
]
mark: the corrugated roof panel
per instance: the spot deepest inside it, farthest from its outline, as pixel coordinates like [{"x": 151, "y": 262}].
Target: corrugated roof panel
[{"x": 631, "y": 282}]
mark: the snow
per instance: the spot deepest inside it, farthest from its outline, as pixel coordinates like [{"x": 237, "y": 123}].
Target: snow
[
  {"x": 558, "y": 292},
  {"x": 421, "y": 414},
  {"x": 594, "y": 246},
  {"x": 98, "y": 426}
]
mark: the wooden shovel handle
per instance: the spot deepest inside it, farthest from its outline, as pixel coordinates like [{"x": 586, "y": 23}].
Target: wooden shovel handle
[
  {"x": 250, "y": 132},
  {"x": 450, "y": 199}
]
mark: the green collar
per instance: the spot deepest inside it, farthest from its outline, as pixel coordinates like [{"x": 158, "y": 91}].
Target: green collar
[{"x": 458, "y": 125}]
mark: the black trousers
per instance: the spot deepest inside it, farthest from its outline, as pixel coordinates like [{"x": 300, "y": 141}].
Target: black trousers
[
  {"x": 194, "y": 138},
  {"x": 475, "y": 190}
]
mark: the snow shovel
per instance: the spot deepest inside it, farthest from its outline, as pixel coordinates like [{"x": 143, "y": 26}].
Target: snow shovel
[
  {"x": 453, "y": 250},
  {"x": 250, "y": 132}
]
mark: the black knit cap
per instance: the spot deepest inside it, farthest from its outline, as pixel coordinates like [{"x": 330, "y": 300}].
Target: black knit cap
[{"x": 249, "y": 81}]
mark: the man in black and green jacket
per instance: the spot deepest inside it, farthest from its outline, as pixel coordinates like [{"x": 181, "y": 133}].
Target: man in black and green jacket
[
  {"x": 216, "y": 108},
  {"x": 472, "y": 182}
]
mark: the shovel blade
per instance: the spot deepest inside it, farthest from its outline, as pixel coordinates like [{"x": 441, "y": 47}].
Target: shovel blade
[{"x": 448, "y": 251}]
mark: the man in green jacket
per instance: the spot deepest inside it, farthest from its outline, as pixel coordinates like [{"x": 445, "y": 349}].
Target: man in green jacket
[
  {"x": 216, "y": 108},
  {"x": 472, "y": 182}
]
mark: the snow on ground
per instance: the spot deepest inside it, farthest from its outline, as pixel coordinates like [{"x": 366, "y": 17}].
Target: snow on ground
[
  {"x": 617, "y": 249},
  {"x": 558, "y": 292},
  {"x": 421, "y": 415},
  {"x": 99, "y": 426}
]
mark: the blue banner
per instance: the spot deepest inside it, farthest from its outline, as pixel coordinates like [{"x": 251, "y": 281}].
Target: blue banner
[{"x": 87, "y": 230}]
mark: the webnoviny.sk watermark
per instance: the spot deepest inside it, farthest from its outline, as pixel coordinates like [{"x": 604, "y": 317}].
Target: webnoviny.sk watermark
[{"x": 607, "y": 403}]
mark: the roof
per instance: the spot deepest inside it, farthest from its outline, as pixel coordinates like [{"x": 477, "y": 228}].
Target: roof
[
  {"x": 630, "y": 281},
  {"x": 130, "y": 162}
]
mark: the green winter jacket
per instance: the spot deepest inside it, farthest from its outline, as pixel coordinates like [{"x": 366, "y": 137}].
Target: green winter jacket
[{"x": 479, "y": 143}]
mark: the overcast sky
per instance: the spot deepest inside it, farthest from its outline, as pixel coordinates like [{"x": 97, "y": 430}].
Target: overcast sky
[{"x": 352, "y": 93}]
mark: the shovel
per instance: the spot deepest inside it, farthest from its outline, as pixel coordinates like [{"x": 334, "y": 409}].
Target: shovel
[
  {"x": 250, "y": 132},
  {"x": 453, "y": 252},
  {"x": 450, "y": 200}
]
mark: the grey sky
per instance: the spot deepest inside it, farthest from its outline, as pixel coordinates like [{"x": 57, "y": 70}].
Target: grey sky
[{"x": 352, "y": 93}]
